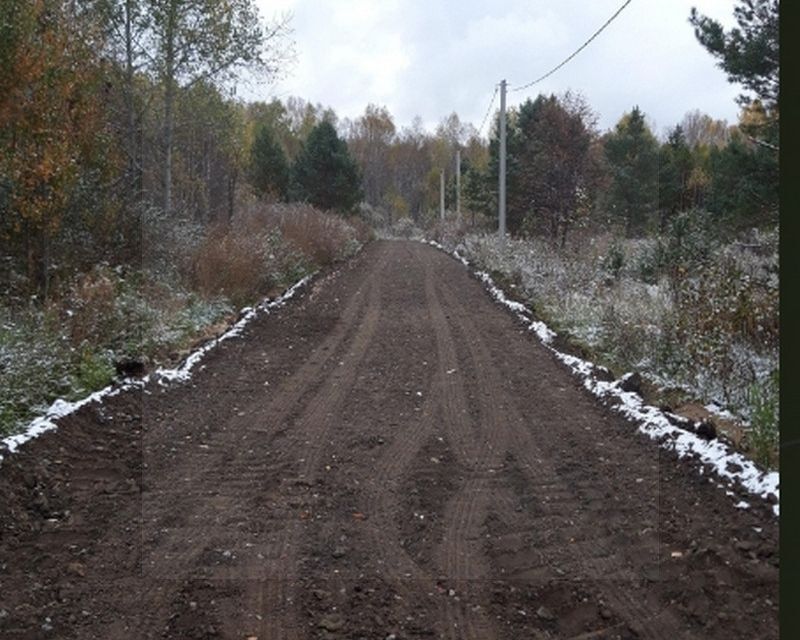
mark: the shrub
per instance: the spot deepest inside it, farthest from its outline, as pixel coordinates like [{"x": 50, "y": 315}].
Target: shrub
[
  {"x": 651, "y": 262},
  {"x": 692, "y": 312},
  {"x": 763, "y": 435},
  {"x": 614, "y": 260},
  {"x": 182, "y": 293},
  {"x": 88, "y": 307},
  {"x": 232, "y": 264},
  {"x": 405, "y": 228},
  {"x": 689, "y": 245},
  {"x": 95, "y": 371},
  {"x": 324, "y": 238}
]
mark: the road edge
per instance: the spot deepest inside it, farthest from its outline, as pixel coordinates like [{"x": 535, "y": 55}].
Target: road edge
[
  {"x": 61, "y": 408},
  {"x": 729, "y": 469}
]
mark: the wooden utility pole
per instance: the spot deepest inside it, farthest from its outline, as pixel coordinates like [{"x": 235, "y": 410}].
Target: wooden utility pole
[
  {"x": 458, "y": 184},
  {"x": 441, "y": 195},
  {"x": 501, "y": 200}
]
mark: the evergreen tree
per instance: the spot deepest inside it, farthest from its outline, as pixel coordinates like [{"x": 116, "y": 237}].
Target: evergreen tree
[
  {"x": 674, "y": 171},
  {"x": 476, "y": 192},
  {"x": 744, "y": 184},
  {"x": 324, "y": 173},
  {"x": 632, "y": 154},
  {"x": 269, "y": 170},
  {"x": 555, "y": 164},
  {"x": 749, "y": 54}
]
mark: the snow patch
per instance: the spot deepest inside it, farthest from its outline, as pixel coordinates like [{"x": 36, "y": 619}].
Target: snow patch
[
  {"x": 545, "y": 333},
  {"x": 729, "y": 465},
  {"x": 61, "y": 408},
  {"x": 183, "y": 372},
  {"x": 500, "y": 296}
]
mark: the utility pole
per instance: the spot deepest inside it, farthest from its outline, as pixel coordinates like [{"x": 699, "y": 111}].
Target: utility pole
[
  {"x": 441, "y": 194},
  {"x": 458, "y": 184},
  {"x": 501, "y": 196}
]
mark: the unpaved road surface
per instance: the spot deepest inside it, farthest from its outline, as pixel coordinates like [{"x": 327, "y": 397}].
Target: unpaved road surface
[{"x": 389, "y": 456}]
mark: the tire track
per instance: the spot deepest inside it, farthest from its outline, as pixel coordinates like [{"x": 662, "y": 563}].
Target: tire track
[
  {"x": 440, "y": 407},
  {"x": 209, "y": 483},
  {"x": 647, "y": 622},
  {"x": 459, "y": 554},
  {"x": 380, "y": 499},
  {"x": 308, "y": 434}
]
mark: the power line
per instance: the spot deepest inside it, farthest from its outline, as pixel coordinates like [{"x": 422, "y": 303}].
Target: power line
[
  {"x": 488, "y": 111},
  {"x": 576, "y": 52}
]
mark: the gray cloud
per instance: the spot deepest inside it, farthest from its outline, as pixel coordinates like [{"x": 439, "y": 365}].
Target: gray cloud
[{"x": 430, "y": 58}]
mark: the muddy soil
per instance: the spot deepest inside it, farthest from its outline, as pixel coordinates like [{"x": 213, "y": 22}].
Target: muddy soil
[{"x": 391, "y": 455}]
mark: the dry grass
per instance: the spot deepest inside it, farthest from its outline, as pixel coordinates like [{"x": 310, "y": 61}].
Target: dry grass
[
  {"x": 87, "y": 311},
  {"x": 322, "y": 237},
  {"x": 270, "y": 246},
  {"x": 231, "y": 263}
]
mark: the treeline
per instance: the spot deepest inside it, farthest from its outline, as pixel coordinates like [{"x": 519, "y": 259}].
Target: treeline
[
  {"x": 114, "y": 109},
  {"x": 563, "y": 173},
  {"x": 397, "y": 168}
]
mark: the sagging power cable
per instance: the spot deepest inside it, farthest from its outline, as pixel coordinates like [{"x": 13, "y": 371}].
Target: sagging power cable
[{"x": 576, "y": 52}]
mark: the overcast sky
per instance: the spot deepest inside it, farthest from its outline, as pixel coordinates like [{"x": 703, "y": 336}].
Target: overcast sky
[{"x": 433, "y": 57}]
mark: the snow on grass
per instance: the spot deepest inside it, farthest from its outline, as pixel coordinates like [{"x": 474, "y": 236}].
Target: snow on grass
[
  {"x": 184, "y": 371},
  {"x": 711, "y": 332},
  {"x": 61, "y": 408},
  {"x": 728, "y": 465}
]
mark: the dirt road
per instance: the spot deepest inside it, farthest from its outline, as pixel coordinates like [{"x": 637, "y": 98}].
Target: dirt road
[{"x": 390, "y": 456}]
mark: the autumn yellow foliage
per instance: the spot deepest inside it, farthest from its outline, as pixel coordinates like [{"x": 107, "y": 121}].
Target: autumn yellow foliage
[{"x": 49, "y": 110}]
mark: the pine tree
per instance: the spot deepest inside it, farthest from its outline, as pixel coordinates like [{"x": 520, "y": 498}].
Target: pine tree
[
  {"x": 324, "y": 173},
  {"x": 269, "y": 169},
  {"x": 674, "y": 171},
  {"x": 749, "y": 54},
  {"x": 632, "y": 153},
  {"x": 744, "y": 184}
]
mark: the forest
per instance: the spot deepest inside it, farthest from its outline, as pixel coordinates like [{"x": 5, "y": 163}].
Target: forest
[{"x": 143, "y": 204}]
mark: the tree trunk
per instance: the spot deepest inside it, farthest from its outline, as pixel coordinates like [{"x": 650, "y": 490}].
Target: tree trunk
[
  {"x": 30, "y": 258},
  {"x": 207, "y": 180},
  {"x": 232, "y": 194},
  {"x": 45, "y": 264},
  {"x": 169, "y": 99},
  {"x": 169, "y": 104},
  {"x": 134, "y": 168}
]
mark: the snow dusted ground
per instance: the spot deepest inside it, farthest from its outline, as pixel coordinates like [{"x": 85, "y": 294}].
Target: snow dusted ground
[
  {"x": 61, "y": 408},
  {"x": 728, "y": 468}
]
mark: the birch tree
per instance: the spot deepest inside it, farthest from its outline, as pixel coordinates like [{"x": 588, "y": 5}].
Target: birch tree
[{"x": 207, "y": 40}]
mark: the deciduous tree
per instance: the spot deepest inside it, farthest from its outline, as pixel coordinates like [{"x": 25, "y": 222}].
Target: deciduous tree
[
  {"x": 369, "y": 138},
  {"x": 205, "y": 40},
  {"x": 52, "y": 134}
]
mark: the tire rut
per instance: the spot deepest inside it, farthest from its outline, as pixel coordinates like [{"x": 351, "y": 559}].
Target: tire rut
[{"x": 648, "y": 623}]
